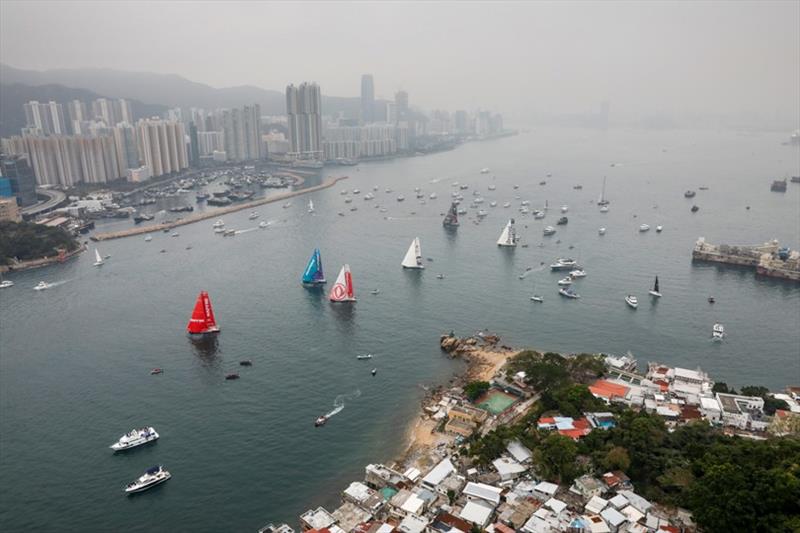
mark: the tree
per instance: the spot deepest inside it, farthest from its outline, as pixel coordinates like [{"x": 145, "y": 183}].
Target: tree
[
  {"x": 451, "y": 496},
  {"x": 721, "y": 386},
  {"x": 773, "y": 404},
  {"x": 476, "y": 389},
  {"x": 555, "y": 457},
  {"x": 754, "y": 390},
  {"x": 617, "y": 458}
]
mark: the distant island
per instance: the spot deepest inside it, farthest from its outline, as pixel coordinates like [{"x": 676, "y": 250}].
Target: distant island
[{"x": 26, "y": 244}]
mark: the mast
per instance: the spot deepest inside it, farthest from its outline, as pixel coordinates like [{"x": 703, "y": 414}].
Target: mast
[{"x": 655, "y": 286}]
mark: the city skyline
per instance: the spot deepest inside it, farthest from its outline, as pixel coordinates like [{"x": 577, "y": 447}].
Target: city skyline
[{"x": 659, "y": 59}]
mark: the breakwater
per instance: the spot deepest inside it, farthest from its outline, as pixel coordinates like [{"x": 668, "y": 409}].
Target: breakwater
[
  {"x": 767, "y": 259},
  {"x": 328, "y": 182}
]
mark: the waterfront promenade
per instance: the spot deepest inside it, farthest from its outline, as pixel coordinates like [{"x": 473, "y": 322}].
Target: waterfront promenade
[{"x": 328, "y": 182}]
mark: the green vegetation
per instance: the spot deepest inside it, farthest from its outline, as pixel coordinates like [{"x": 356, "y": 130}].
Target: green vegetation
[
  {"x": 729, "y": 483},
  {"x": 476, "y": 389},
  {"x": 26, "y": 240}
]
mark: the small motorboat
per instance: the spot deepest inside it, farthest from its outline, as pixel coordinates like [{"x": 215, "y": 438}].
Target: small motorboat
[
  {"x": 218, "y": 224},
  {"x": 689, "y": 194},
  {"x": 41, "y": 286},
  {"x": 567, "y": 292},
  {"x": 152, "y": 476},
  {"x": 320, "y": 421},
  {"x": 262, "y": 224},
  {"x": 374, "y": 371},
  {"x": 364, "y": 356},
  {"x": 711, "y": 299},
  {"x": 579, "y": 273},
  {"x": 401, "y": 198},
  {"x": 695, "y": 209},
  {"x": 507, "y": 204},
  {"x": 231, "y": 376},
  {"x": 175, "y": 234},
  {"x": 564, "y": 208},
  {"x": 604, "y": 209},
  {"x": 229, "y": 233},
  {"x": 564, "y": 264},
  {"x": 644, "y": 227},
  {"x": 659, "y": 229},
  {"x": 246, "y": 362},
  {"x": 6, "y": 284},
  {"x": 562, "y": 221},
  {"x": 439, "y": 276},
  {"x": 717, "y": 332},
  {"x": 375, "y": 291},
  {"x": 287, "y": 205},
  {"x": 134, "y": 438},
  {"x": 549, "y": 230},
  {"x": 148, "y": 238},
  {"x": 565, "y": 281},
  {"x": 542, "y": 183},
  {"x": 601, "y": 231},
  {"x": 537, "y": 298},
  {"x": 632, "y": 301},
  {"x": 156, "y": 371},
  {"x": 253, "y": 215}
]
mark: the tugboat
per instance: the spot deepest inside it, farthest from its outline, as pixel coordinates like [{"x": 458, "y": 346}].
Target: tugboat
[
  {"x": 152, "y": 476},
  {"x": 320, "y": 421},
  {"x": 135, "y": 438}
]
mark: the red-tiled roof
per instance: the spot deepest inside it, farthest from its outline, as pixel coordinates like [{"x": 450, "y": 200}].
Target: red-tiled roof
[
  {"x": 663, "y": 385},
  {"x": 502, "y": 528},
  {"x": 547, "y": 420},
  {"x": 606, "y": 389}
]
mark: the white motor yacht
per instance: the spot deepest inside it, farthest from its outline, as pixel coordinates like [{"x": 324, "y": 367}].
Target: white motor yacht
[
  {"x": 134, "y": 438},
  {"x": 632, "y": 301},
  {"x": 218, "y": 224},
  {"x": 42, "y": 286},
  {"x": 717, "y": 332},
  {"x": 6, "y": 284},
  {"x": 152, "y": 476},
  {"x": 549, "y": 230},
  {"x": 567, "y": 292},
  {"x": 644, "y": 227},
  {"x": 564, "y": 264},
  {"x": 578, "y": 273},
  {"x": 364, "y": 356},
  {"x": 565, "y": 281},
  {"x": 602, "y": 231},
  {"x": 148, "y": 238}
]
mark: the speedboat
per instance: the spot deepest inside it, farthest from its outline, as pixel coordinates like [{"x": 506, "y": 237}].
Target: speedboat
[
  {"x": 549, "y": 230},
  {"x": 348, "y": 200},
  {"x": 492, "y": 204},
  {"x": 537, "y": 298},
  {"x": 253, "y": 215},
  {"x": 229, "y": 233},
  {"x": 375, "y": 291},
  {"x": 564, "y": 208},
  {"x": 565, "y": 281},
  {"x": 644, "y": 227},
  {"x": 602, "y": 231},
  {"x": 218, "y": 224},
  {"x": 134, "y": 438},
  {"x": 439, "y": 276},
  {"x": 577, "y": 273},
  {"x": 564, "y": 264},
  {"x": 659, "y": 229},
  {"x": 287, "y": 205},
  {"x": 148, "y": 238},
  {"x": 231, "y": 376},
  {"x": 42, "y": 286},
  {"x": 492, "y": 187},
  {"x": 156, "y": 371},
  {"x": 432, "y": 196},
  {"x": 538, "y": 215},
  {"x": 482, "y": 213},
  {"x": 356, "y": 191},
  {"x": 364, "y": 356},
  {"x": 567, "y": 292},
  {"x": 175, "y": 234},
  {"x": 632, "y": 301},
  {"x": 320, "y": 421},
  {"x": 6, "y": 284},
  {"x": 262, "y": 224},
  {"x": 689, "y": 194},
  {"x": 152, "y": 476},
  {"x": 717, "y": 332},
  {"x": 401, "y": 198}
]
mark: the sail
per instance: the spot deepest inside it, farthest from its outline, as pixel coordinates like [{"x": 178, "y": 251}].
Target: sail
[
  {"x": 97, "y": 256},
  {"x": 451, "y": 219},
  {"x": 509, "y": 236},
  {"x": 342, "y": 290},
  {"x": 313, "y": 272},
  {"x": 310, "y": 206},
  {"x": 413, "y": 258},
  {"x": 655, "y": 286},
  {"x": 202, "y": 320}
]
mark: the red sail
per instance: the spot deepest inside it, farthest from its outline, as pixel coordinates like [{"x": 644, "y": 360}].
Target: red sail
[
  {"x": 349, "y": 284},
  {"x": 202, "y": 320}
]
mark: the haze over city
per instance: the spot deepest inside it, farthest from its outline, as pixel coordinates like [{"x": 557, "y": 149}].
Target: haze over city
[{"x": 667, "y": 58}]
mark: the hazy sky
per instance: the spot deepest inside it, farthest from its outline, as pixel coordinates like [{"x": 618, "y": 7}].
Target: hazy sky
[{"x": 512, "y": 57}]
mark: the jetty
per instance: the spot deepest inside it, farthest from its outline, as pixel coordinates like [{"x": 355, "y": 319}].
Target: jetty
[
  {"x": 768, "y": 259},
  {"x": 215, "y": 213}
]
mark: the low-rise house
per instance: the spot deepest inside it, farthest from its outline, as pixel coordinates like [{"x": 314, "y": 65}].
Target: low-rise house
[
  {"x": 596, "y": 524},
  {"x": 519, "y": 452},
  {"x": 639, "y": 503},
  {"x": 603, "y": 420},
  {"x": 555, "y": 505},
  {"x": 379, "y": 476},
  {"x": 743, "y": 412},
  {"x": 406, "y": 502},
  {"x": 438, "y": 474},
  {"x": 279, "y": 528},
  {"x": 566, "y": 426},
  {"x": 363, "y": 496},
  {"x": 349, "y": 515},
  {"x": 413, "y": 524},
  {"x": 610, "y": 392},
  {"x": 595, "y": 505},
  {"x": 632, "y": 513},
  {"x": 464, "y": 420},
  {"x": 587, "y": 487},
  {"x": 545, "y": 490},
  {"x": 516, "y": 510},
  {"x": 317, "y": 518},
  {"x": 412, "y": 474},
  {"x": 542, "y": 521},
  {"x": 613, "y": 518},
  {"x": 481, "y": 491},
  {"x": 616, "y": 480},
  {"x": 508, "y": 468},
  {"x": 478, "y": 512},
  {"x": 448, "y": 523},
  {"x": 619, "y": 502}
]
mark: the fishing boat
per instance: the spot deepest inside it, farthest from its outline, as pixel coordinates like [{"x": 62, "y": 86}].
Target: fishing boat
[
  {"x": 313, "y": 274},
  {"x": 413, "y": 258},
  {"x": 451, "y": 218},
  {"x": 41, "y": 286},
  {"x": 98, "y": 259},
  {"x": 439, "y": 276},
  {"x": 632, "y": 301},
  {"x": 602, "y": 231},
  {"x": 655, "y": 290},
  {"x": 342, "y": 290},
  {"x": 577, "y": 273},
  {"x": 602, "y": 202},
  {"x": 659, "y": 229},
  {"x": 567, "y": 292},
  {"x": 564, "y": 264},
  {"x": 644, "y": 227},
  {"x": 134, "y": 438},
  {"x": 364, "y": 356},
  {"x": 482, "y": 213},
  {"x": 202, "y": 322},
  {"x": 717, "y": 332},
  {"x": 152, "y": 476},
  {"x": 508, "y": 238},
  {"x": 549, "y": 230}
]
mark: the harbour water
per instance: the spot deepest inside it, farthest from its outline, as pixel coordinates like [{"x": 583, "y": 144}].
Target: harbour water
[{"x": 75, "y": 359}]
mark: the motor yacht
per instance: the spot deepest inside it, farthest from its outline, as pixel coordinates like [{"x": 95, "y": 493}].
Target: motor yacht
[
  {"x": 717, "y": 332},
  {"x": 567, "y": 292},
  {"x": 6, "y": 284},
  {"x": 564, "y": 264},
  {"x": 644, "y": 227},
  {"x": 632, "y": 301},
  {"x": 565, "y": 281},
  {"x": 602, "y": 231},
  {"x": 135, "y": 437},
  {"x": 577, "y": 273},
  {"x": 42, "y": 286},
  {"x": 549, "y": 230},
  {"x": 152, "y": 476}
]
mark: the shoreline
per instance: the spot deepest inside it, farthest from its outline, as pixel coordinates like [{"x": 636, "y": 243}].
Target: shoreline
[
  {"x": 327, "y": 183},
  {"x": 32, "y": 264}
]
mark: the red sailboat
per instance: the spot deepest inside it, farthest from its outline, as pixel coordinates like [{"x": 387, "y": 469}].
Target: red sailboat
[{"x": 202, "y": 321}]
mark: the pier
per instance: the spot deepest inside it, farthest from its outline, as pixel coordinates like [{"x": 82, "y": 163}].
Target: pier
[
  {"x": 328, "y": 182},
  {"x": 767, "y": 259}
]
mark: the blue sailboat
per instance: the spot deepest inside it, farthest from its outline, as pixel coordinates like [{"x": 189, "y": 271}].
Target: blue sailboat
[{"x": 313, "y": 274}]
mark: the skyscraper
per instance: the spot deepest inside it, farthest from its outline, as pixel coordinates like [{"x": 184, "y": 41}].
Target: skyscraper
[
  {"x": 304, "y": 114},
  {"x": 125, "y": 141},
  {"x": 162, "y": 146},
  {"x": 47, "y": 118},
  {"x": 401, "y": 102},
  {"x": 367, "y": 99}
]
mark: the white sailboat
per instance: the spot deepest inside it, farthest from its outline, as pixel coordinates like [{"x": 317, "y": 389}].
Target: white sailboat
[
  {"x": 342, "y": 290},
  {"x": 413, "y": 258},
  {"x": 509, "y": 235},
  {"x": 98, "y": 258},
  {"x": 310, "y": 206}
]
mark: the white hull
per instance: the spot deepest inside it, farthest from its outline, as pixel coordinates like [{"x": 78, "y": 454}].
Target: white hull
[
  {"x": 149, "y": 485},
  {"x": 654, "y": 293}
]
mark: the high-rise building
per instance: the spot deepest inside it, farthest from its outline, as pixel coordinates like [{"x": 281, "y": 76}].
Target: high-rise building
[
  {"x": 461, "y": 122},
  {"x": 209, "y": 142},
  {"x": 78, "y": 114},
  {"x": 194, "y": 153},
  {"x": 162, "y": 146},
  {"x": 401, "y": 103},
  {"x": 47, "y": 118},
  {"x": 125, "y": 141},
  {"x": 367, "y": 99},
  {"x": 251, "y": 116},
  {"x": 22, "y": 181},
  {"x": 304, "y": 114}
]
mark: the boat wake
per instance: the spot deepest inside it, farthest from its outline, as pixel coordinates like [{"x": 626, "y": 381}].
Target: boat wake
[
  {"x": 248, "y": 230},
  {"x": 338, "y": 403}
]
